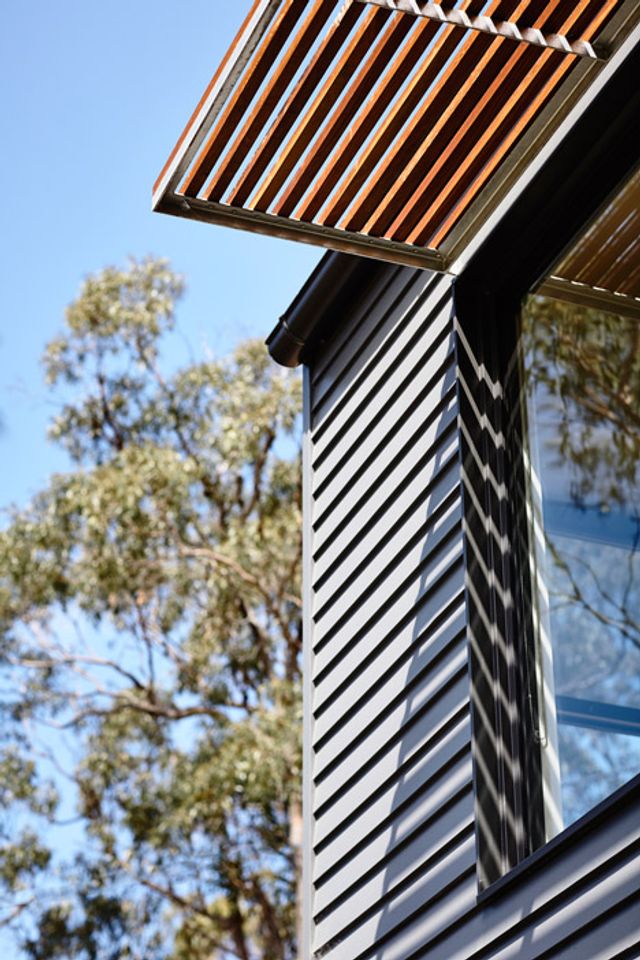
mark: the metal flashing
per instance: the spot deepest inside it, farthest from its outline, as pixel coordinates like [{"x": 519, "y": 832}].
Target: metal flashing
[
  {"x": 502, "y": 28},
  {"x": 610, "y": 301}
]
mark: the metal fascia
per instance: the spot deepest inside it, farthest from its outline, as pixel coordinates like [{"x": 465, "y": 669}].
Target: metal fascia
[{"x": 343, "y": 241}]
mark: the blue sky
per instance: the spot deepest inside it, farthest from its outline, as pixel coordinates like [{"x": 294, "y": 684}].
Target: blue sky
[{"x": 92, "y": 98}]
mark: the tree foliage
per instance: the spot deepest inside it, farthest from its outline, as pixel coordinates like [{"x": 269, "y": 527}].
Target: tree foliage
[
  {"x": 150, "y": 641},
  {"x": 589, "y": 362}
]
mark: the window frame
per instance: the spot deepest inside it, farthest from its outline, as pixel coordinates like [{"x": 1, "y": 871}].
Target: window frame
[{"x": 596, "y": 155}]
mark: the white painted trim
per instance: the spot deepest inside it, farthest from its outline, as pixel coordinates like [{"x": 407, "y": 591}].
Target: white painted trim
[{"x": 304, "y": 949}]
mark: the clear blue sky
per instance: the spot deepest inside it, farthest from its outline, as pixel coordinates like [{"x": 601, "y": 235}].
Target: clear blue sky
[{"x": 93, "y": 96}]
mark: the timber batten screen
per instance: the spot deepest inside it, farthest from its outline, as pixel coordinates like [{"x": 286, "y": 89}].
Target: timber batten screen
[{"x": 373, "y": 126}]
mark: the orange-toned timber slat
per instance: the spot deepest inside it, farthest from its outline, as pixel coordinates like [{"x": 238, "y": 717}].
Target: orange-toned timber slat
[
  {"x": 284, "y": 72},
  {"x": 614, "y": 229},
  {"x": 606, "y": 235},
  {"x": 374, "y": 129},
  {"x": 462, "y": 133},
  {"x": 608, "y": 256},
  {"x": 270, "y": 46},
  {"x": 372, "y": 69},
  {"x": 436, "y": 59},
  {"x": 394, "y": 174},
  {"x": 623, "y": 273},
  {"x": 437, "y": 222},
  {"x": 444, "y": 136},
  {"x": 613, "y": 269},
  {"x": 374, "y": 23},
  {"x": 302, "y": 93},
  {"x": 390, "y": 83},
  {"x": 204, "y": 96},
  {"x": 379, "y": 100}
]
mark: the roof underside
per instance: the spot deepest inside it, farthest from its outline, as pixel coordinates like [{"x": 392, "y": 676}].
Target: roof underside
[
  {"x": 384, "y": 127},
  {"x": 608, "y": 256}
]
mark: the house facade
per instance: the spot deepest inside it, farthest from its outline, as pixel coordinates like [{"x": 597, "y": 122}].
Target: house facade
[{"x": 472, "y": 435}]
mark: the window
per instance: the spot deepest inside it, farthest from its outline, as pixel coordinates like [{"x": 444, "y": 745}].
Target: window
[
  {"x": 555, "y": 665},
  {"x": 580, "y": 369}
]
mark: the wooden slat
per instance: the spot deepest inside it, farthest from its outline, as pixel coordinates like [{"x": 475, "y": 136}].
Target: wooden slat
[
  {"x": 395, "y": 153},
  {"x": 618, "y": 247},
  {"x": 542, "y": 79},
  {"x": 458, "y": 131},
  {"x": 390, "y": 83},
  {"x": 284, "y": 72},
  {"x": 589, "y": 248},
  {"x": 449, "y": 140},
  {"x": 383, "y": 52},
  {"x": 622, "y": 275},
  {"x": 434, "y": 62},
  {"x": 269, "y": 48},
  {"x": 205, "y": 95},
  {"x": 296, "y": 102},
  {"x": 443, "y": 218},
  {"x": 357, "y": 122},
  {"x": 608, "y": 256},
  {"x": 374, "y": 23}
]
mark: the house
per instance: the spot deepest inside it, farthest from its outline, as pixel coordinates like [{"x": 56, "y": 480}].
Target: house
[{"x": 472, "y": 393}]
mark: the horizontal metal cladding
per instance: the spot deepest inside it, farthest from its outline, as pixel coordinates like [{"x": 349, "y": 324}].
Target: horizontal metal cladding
[
  {"x": 392, "y": 807},
  {"x": 378, "y": 621},
  {"x": 403, "y": 527},
  {"x": 424, "y": 359},
  {"x": 393, "y": 870},
  {"x": 340, "y": 762},
  {"x": 354, "y": 351},
  {"x": 373, "y": 125},
  {"x": 580, "y": 900},
  {"x": 381, "y": 682}
]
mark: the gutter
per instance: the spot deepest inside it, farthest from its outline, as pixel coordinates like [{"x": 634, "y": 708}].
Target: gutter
[{"x": 327, "y": 296}]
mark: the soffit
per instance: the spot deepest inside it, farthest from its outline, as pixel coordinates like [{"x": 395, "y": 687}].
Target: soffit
[
  {"x": 607, "y": 257},
  {"x": 383, "y": 127}
]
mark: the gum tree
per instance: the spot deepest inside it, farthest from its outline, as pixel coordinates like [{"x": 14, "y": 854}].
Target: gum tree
[{"x": 150, "y": 617}]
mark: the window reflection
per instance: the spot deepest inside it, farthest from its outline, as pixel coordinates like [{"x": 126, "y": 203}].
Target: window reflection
[{"x": 582, "y": 386}]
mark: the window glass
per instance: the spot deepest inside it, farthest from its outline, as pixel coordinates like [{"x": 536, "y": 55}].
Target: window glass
[{"x": 580, "y": 350}]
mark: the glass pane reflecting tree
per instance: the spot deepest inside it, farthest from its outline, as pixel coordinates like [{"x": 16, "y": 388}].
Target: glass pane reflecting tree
[{"x": 582, "y": 386}]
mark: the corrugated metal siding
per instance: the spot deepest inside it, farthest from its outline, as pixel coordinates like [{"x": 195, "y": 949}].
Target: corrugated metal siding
[
  {"x": 392, "y": 794},
  {"x": 390, "y": 806}
]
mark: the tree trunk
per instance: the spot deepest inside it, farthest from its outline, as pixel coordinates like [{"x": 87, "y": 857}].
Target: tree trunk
[{"x": 295, "y": 839}]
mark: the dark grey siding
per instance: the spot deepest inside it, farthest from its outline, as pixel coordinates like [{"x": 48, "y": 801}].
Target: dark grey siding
[{"x": 390, "y": 833}]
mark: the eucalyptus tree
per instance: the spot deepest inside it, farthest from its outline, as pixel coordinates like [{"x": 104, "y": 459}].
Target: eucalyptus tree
[{"x": 150, "y": 644}]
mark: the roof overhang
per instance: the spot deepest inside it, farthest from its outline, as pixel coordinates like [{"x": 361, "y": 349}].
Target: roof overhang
[{"x": 392, "y": 129}]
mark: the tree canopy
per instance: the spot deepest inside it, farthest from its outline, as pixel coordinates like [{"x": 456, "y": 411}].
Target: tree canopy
[{"x": 150, "y": 645}]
